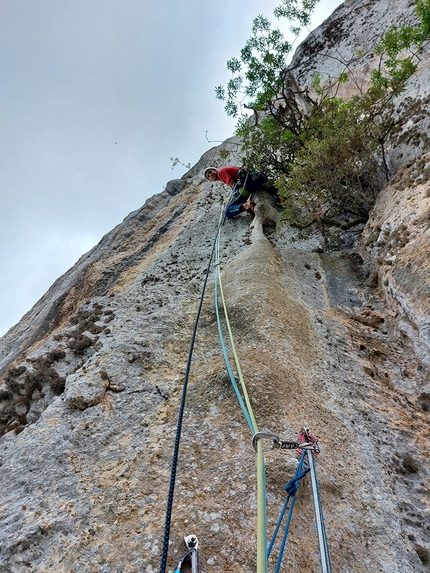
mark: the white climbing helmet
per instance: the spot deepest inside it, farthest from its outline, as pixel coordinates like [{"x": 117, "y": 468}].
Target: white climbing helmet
[{"x": 207, "y": 171}]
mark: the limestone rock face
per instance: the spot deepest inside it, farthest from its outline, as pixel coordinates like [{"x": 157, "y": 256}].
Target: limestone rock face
[
  {"x": 397, "y": 237},
  {"x": 345, "y": 43},
  {"x": 91, "y": 383}
]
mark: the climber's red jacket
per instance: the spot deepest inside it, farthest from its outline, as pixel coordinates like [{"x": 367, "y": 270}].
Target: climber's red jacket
[{"x": 228, "y": 175}]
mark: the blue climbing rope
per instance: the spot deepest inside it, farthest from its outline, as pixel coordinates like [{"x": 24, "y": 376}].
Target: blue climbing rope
[
  {"x": 291, "y": 489},
  {"x": 261, "y": 477},
  {"x": 224, "y": 348}
]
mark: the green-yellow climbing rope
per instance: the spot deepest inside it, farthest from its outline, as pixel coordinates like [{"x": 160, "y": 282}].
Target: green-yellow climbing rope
[{"x": 261, "y": 480}]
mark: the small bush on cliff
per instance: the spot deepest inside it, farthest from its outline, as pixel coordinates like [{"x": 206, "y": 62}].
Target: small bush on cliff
[
  {"x": 327, "y": 155},
  {"x": 339, "y": 165}
]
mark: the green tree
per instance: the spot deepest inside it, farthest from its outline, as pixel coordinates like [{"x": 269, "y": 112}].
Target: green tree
[
  {"x": 257, "y": 75},
  {"x": 327, "y": 155}
]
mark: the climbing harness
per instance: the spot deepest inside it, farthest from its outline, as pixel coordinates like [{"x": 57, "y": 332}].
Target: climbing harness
[
  {"x": 192, "y": 544},
  {"x": 257, "y": 182},
  {"x": 238, "y": 194},
  {"x": 240, "y": 186}
]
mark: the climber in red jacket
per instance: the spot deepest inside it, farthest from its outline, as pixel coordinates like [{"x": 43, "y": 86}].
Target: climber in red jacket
[
  {"x": 244, "y": 182},
  {"x": 239, "y": 202},
  {"x": 228, "y": 175}
]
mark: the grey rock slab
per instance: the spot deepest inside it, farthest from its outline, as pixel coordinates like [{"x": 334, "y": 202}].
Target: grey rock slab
[{"x": 83, "y": 391}]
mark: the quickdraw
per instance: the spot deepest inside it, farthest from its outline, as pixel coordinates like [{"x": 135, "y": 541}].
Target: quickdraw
[
  {"x": 308, "y": 448},
  {"x": 307, "y": 442},
  {"x": 192, "y": 555}
]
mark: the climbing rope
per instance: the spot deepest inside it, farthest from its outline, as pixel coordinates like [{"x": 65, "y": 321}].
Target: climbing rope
[
  {"x": 249, "y": 415},
  {"x": 251, "y": 421},
  {"x": 291, "y": 488},
  {"x": 307, "y": 447},
  {"x": 319, "y": 519},
  {"x": 173, "y": 471},
  {"x": 169, "y": 506}
]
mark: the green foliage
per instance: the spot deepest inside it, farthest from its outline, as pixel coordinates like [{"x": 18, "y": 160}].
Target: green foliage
[
  {"x": 334, "y": 177},
  {"x": 257, "y": 74},
  {"x": 296, "y": 12},
  {"x": 343, "y": 78},
  {"x": 271, "y": 148},
  {"x": 398, "y": 67},
  {"x": 327, "y": 156},
  {"x": 224, "y": 153},
  {"x": 400, "y": 38}
]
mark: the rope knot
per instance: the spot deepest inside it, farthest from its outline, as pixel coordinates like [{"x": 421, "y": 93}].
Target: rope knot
[{"x": 293, "y": 485}]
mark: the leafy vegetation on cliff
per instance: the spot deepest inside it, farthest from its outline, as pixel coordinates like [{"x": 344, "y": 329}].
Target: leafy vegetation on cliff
[{"x": 326, "y": 154}]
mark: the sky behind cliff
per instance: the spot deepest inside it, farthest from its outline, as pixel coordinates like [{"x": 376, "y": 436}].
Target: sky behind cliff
[{"x": 95, "y": 99}]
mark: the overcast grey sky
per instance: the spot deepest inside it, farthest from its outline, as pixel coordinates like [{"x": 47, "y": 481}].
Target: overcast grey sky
[{"x": 95, "y": 99}]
